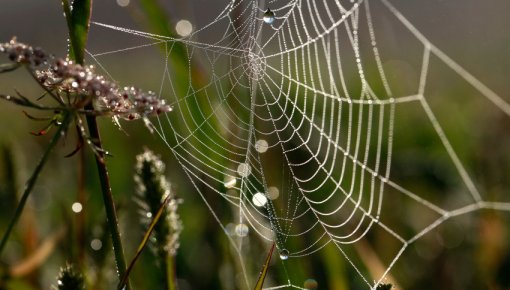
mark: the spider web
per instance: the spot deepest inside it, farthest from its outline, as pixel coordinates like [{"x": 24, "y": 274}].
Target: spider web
[{"x": 305, "y": 99}]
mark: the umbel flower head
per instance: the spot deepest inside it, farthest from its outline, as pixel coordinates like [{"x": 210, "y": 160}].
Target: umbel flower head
[
  {"x": 152, "y": 190},
  {"x": 73, "y": 87},
  {"x": 22, "y": 53},
  {"x": 62, "y": 77},
  {"x": 128, "y": 103}
]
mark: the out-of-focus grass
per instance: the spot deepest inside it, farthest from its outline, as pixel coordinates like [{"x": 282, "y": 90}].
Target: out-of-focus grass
[{"x": 421, "y": 165}]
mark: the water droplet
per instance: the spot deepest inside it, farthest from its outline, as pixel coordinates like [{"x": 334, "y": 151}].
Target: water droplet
[
  {"x": 148, "y": 214},
  {"x": 183, "y": 27},
  {"x": 261, "y": 146},
  {"x": 230, "y": 229},
  {"x": 284, "y": 254},
  {"x": 311, "y": 284},
  {"x": 74, "y": 85},
  {"x": 60, "y": 283},
  {"x": 232, "y": 192},
  {"x": 77, "y": 207},
  {"x": 269, "y": 16},
  {"x": 273, "y": 193},
  {"x": 241, "y": 230},
  {"x": 96, "y": 244},
  {"x": 229, "y": 181},
  {"x": 259, "y": 199},
  {"x": 243, "y": 169}
]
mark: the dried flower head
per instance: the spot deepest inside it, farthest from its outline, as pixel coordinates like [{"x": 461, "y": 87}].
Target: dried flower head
[
  {"x": 22, "y": 53},
  {"x": 128, "y": 103},
  {"x": 82, "y": 84},
  {"x": 74, "y": 87}
]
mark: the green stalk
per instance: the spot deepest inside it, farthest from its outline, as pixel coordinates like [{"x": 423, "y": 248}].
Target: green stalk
[
  {"x": 78, "y": 21},
  {"x": 170, "y": 272},
  {"x": 33, "y": 178},
  {"x": 111, "y": 214}
]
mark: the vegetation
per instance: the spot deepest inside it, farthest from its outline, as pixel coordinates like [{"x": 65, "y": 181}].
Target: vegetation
[{"x": 96, "y": 229}]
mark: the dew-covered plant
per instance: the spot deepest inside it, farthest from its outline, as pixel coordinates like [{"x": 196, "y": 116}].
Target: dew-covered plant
[
  {"x": 73, "y": 86},
  {"x": 153, "y": 190},
  {"x": 73, "y": 96}
]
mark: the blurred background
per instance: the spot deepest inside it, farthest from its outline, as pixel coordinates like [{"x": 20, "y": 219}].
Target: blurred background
[{"x": 468, "y": 252}]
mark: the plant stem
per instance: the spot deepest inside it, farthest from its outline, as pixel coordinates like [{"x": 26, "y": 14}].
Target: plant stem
[
  {"x": 111, "y": 214},
  {"x": 170, "y": 272},
  {"x": 78, "y": 22},
  {"x": 33, "y": 178}
]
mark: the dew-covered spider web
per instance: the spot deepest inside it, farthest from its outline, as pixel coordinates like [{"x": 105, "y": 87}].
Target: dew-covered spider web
[{"x": 291, "y": 124}]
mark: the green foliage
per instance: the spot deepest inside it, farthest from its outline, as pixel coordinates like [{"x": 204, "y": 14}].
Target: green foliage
[
  {"x": 263, "y": 272},
  {"x": 78, "y": 22},
  {"x": 158, "y": 20},
  {"x": 8, "y": 180}
]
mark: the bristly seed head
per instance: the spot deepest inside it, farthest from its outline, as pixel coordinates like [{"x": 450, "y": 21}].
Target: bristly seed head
[
  {"x": 153, "y": 189},
  {"x": 69, "y": 279}
]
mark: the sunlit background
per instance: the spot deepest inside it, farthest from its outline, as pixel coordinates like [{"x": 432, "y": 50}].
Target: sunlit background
[{"x": 468, "y": 252}]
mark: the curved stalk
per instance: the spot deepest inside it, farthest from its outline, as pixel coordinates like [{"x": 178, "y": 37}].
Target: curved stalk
[{"x": 33, "y": 178}]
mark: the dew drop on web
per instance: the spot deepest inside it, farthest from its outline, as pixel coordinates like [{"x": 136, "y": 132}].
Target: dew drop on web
[
  {"x": 229, "y": 181},
  {"x": 269, "y": 16},
  {"x": 259, "y": 199},
  {"x": 284, "y": 254},
  {"x": 261, "y": 146},
  {"x": 243, "y": 170},
  {"x": 241, "y": 230},
  {"x": 273, "y": 193}
]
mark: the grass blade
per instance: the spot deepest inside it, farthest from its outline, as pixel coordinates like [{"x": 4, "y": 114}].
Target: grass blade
[
  {"x": 32, "y": 180},
  {"x": 78, "y": 22},
  {"x": 144, "y": 241},
  {"x": 263, "y": 272}
]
